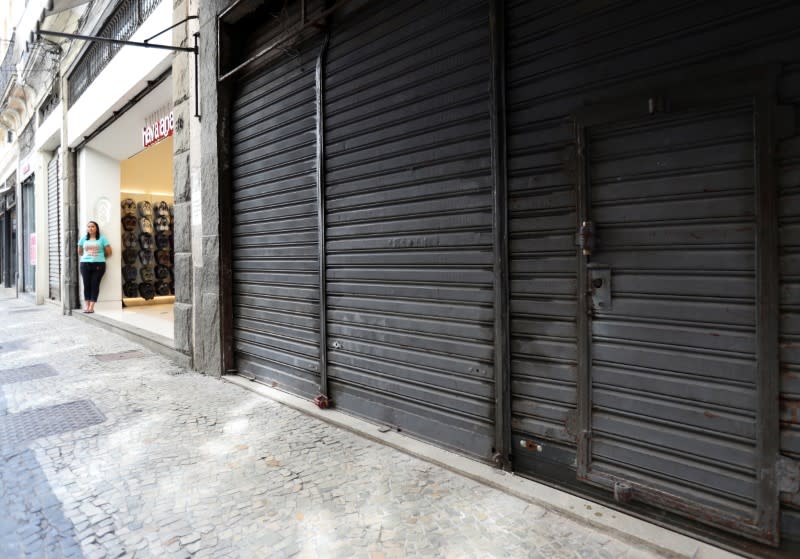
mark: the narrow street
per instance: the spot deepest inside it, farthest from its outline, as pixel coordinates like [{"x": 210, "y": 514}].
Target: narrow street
[{"x": 109, "y": 450}]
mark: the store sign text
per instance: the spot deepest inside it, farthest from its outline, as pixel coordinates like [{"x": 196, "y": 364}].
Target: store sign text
[{"x": 158, "y": 129}]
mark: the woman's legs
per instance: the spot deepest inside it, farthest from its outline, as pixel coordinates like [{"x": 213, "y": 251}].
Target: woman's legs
[
  {"x": 99, "y": 269},
  {"x": 92, "y": 275},
  {"x": 87, "y": 290}
]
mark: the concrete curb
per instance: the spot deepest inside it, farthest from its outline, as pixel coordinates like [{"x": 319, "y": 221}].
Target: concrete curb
[
  {"x": 153, "y": 342},
  {"x": 659, "y": 539}
]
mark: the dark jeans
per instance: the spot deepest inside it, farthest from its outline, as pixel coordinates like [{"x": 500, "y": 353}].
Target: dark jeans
[{"x": 92, "y": 273}]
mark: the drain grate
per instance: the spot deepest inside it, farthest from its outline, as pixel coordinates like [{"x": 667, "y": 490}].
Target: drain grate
[
  {"x": 26, "y": 426},
  {"x": 133, "y": 354},
  {"x": 30, "y": 372},
  {"x": 25, "y": 310}
]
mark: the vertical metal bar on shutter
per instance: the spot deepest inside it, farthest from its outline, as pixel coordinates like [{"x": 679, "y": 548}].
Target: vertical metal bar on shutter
[
  {"x": 584, "y": 400},
  {"x": 54, "y": 227},
  {"x": 788, "y": 172},
  {"x": 409, "y": 220},
  {"x": 768, "y": 305},
  {"x": 274, "y": 230},
  {"x": 502, "y": 366},
  {"x": 323, "y": 301}
]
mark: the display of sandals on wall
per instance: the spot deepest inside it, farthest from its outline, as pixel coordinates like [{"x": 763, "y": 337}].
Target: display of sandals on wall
[{"x": 147, "y": 249}]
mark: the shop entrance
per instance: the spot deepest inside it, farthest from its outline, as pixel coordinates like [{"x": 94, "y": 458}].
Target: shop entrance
[{"x": 146, "y": 239}]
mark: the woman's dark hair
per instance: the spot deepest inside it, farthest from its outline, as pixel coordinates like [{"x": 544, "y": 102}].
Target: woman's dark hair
[{"x": 97, "y": 230}]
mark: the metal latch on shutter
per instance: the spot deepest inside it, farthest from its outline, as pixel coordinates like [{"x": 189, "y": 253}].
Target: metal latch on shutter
[{"x": 600, "y": 286}]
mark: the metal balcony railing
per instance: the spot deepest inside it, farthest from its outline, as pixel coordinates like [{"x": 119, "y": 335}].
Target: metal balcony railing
[
  {"x": 50, "y": 103},
  {"x": 7, "y": 68},
  {"x": 122, "y": 23}
]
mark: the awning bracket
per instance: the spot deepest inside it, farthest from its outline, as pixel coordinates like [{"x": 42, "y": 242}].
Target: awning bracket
[{"x": 38, "y": 33}]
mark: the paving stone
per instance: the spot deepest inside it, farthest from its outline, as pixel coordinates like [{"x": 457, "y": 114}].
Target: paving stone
[{"x": 179, "y": 465}]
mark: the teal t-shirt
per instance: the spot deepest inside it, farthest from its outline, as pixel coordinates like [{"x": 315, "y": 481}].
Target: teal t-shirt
[{"x": 94, "y": 250}]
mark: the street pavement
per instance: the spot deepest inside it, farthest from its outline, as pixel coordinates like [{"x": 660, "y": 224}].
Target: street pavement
[{"x": 109, "y": 450}]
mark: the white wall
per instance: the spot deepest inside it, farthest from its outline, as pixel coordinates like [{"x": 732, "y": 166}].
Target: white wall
[
  {"x": 42, "y": 285},
  {"x": 48, "y": 135},
  {"x": 98, "y": 200}
]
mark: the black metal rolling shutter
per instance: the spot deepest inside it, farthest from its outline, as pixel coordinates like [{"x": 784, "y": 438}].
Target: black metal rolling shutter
[
  {"x": 274, "y": 229},
  {"x": 54, "y": 227},
  {"x": 409, "y": 220}
]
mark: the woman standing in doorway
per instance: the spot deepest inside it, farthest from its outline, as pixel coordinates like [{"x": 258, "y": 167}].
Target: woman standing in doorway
[{"x": 93, "y": 249}]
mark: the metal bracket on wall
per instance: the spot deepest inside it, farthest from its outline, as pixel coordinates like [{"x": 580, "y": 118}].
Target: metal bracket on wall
[{"x": 38, "y": 33}]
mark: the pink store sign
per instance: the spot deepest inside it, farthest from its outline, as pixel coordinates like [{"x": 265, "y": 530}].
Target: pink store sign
[
  {"x": 32, "y": 249},
  {"x": 158, "y": 128}
]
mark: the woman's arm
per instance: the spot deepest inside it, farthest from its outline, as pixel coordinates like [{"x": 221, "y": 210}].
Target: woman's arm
[{"x": 107, "y": 250}]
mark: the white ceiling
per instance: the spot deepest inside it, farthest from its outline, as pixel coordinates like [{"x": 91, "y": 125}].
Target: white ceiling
[{"x": 123, "y": 138}]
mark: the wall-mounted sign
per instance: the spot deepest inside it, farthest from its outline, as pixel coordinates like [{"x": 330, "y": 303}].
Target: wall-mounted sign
[
  {"x": 32, "y": 249},
  {"x": 25, "y": 168},
  {"x": 157, "y": 127}
]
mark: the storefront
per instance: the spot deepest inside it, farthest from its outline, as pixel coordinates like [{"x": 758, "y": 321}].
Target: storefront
[
  {"x": 118, "y": 170},
  {"x": 8, "y": 232},
  {"x": 559, "y": 255},
  {"x": 125, "y": 185}
]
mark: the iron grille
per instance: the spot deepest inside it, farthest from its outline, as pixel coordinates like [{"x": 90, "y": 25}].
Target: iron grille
[
  {"x": 7, "y": 67},
  {"x": 50, "y": 103},
  {"x": 122, "y": 23}
]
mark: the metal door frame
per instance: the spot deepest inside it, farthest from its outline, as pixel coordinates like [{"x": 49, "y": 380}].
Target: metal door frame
[
  {"x": 28, "y": 228},
  {"x": 759, "y": 84},
  {"x": 57, "y": 159}
]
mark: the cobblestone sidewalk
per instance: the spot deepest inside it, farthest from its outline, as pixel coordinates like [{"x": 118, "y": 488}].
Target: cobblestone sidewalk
[{"x": 108, "y": 450}]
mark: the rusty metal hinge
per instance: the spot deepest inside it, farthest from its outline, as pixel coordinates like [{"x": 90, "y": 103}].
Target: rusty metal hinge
[
  {"x": 502, "y": 461},
  {"x": 585, "y": 236},
  {"x": 322, "y": 402}
]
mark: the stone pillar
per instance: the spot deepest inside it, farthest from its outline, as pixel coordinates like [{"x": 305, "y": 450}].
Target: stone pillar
[
  {"x": 69, "y": 208},
  {"x": 206, "y": 235},
  {"x": 197, "y": 283},
  {"x": 70, "y": 274}
]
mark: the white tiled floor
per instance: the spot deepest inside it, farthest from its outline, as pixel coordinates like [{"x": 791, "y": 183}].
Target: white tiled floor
[{"x": 158, "y": 319}]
